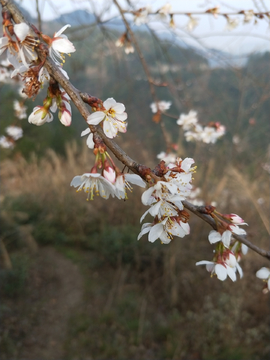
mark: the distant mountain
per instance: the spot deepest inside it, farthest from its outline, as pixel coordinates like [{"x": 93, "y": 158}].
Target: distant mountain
[{"x": 76, "y": 18}]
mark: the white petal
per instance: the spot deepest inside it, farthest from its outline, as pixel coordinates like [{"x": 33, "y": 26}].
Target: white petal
[
  {"x": 154, "y": 209},
  {"x": 177, "y": 230},
  {"x": 63, "y": 46},
  {"x": 263, "y": 273},
  {"x": 21, "y": 30},
  {"x": 185, "y": 227},
  {"x": 76, "y": 181},
  {"x": 89, "y": 142},
  {"x": 3, "y": 44},
  {"x": 135, "y": 179},
  {"x": 119, "y": 108},
  {"x": 121, "y": 117},
  {"x": 231, "y": 273},
  {"x": 204, "y": 262},
  {"x": 226, "y": 238},
  {"x": 221, "y": 272},
  {"x": 95, "y": 118},
  {"x": 144, "y": 215},
  {"x": 59, "y": 32},
  {"x": 147, "y": 195},
  {"x": 109, "y": 103},
  {"x": 214, "y": 236},
  {"x": 85, "y": 132},
  {"x": 237, "y": 230},
  {"x": 144, "y": 230},
  {"x": 109, "y": 129},
  {"x": 155, "y": 232},
  {"x": 238, "y": 267}
]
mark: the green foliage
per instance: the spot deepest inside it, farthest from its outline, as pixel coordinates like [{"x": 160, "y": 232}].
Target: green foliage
[{"x": 12, "y": 281}]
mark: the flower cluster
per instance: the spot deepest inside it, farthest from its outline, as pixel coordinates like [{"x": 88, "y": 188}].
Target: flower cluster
[
  {"x": 228, "y": 252},
  {"x": 110, "y": 181},
  {"x": 160, "y": 106},
  {"x": 165, "y": 201},
  {"x": 56, "y": 98},
  {"x": 125, "y": 42},
  {"x": 13, "y": 133},
  {"x": 20, "y": 45},
  {"x": 196, "y": 132}
]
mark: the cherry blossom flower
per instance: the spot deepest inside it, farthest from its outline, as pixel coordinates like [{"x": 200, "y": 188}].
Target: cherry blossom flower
[
  {"x": 40, "y": 116},
  {"x": 161, "y": 105},
  {"x": 141, "y": 16},
  {"x": 221, "y": 270},
  {"x": 232, "y": 23},
  {"x": 122, "y": 183},
  {"x": 14, "y": 132},
  {"x": 60, "y": 45},
  {"x": 129, "y": 48},
  {"x": 164, "y": 230},
  {"x": 27, "y": 43},
  {"x": 168, "y": 158},
  {"x": 192, "y": 23},
  {"x": 113, "y": 118},
  {"x": 264, "y": 274},
  {"x": 188, "y": 121},
  {"x": 20, "y": 109},
  {"x": 164, "y": 11},
  {"x": 214, "y": 236},
  {"x": 5, "y": 143},
  {"x": 249, "y": 14},
  {"x": 210, "y": 134},
  {"x": 12, "y": 51},
  {"x": 90, "y": 182}
]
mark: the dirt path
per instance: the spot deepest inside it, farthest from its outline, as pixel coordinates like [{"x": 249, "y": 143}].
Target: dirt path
[{"x": 55, "y": 290}]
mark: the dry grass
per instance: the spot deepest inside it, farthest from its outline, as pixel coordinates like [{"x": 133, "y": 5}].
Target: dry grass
[{"x": 148, "y": 300}]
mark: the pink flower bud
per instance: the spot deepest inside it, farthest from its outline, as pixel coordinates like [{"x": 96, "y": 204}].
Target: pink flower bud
[
  {"x": 235, "y": 219},
  {"x": 66, "y": 118},
  {"x": 109, "y": 174}
]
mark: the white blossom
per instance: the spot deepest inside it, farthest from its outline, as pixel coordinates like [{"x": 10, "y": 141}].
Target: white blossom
[
  {"x": 160, "y": 105},
  {"x": 164, "y": 230},
  {"x": 122, "y": 183},
  {"x": 232, "y": 23},
  {"x": 20, "y": 109},
  {"x": 192, "y": 23},
  {"x": 113, "y": 118},
  {"x": 27, "y": 44},
  {"x": 60, "y": 45},
  {"x": 129, "y": 48},
  {"x": 168, "y": 158},
  {"x": 214, "y": 237},
  {"x": 188, "y": 121},
  {"x": 5, "y": 143},
  {"x": 221, "y": 270},
  {"x": 249, "y": 14},
  {"x": 14, "y": 132},
  {"x": 264, "y": 274},
  {"x": 40, "y": 116},
  {"x": 93, "y": 182},
  {"x": 141, "y": 16}
]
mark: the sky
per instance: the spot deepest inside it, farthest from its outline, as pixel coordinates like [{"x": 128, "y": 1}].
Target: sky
[{"x": 210, "y": 32}]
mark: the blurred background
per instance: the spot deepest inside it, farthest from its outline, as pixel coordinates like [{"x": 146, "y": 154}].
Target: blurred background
[{"x": 75, "y": 282}]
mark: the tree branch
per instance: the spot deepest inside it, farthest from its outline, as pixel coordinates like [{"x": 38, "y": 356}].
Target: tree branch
[{"x": 78, "y": 99}]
